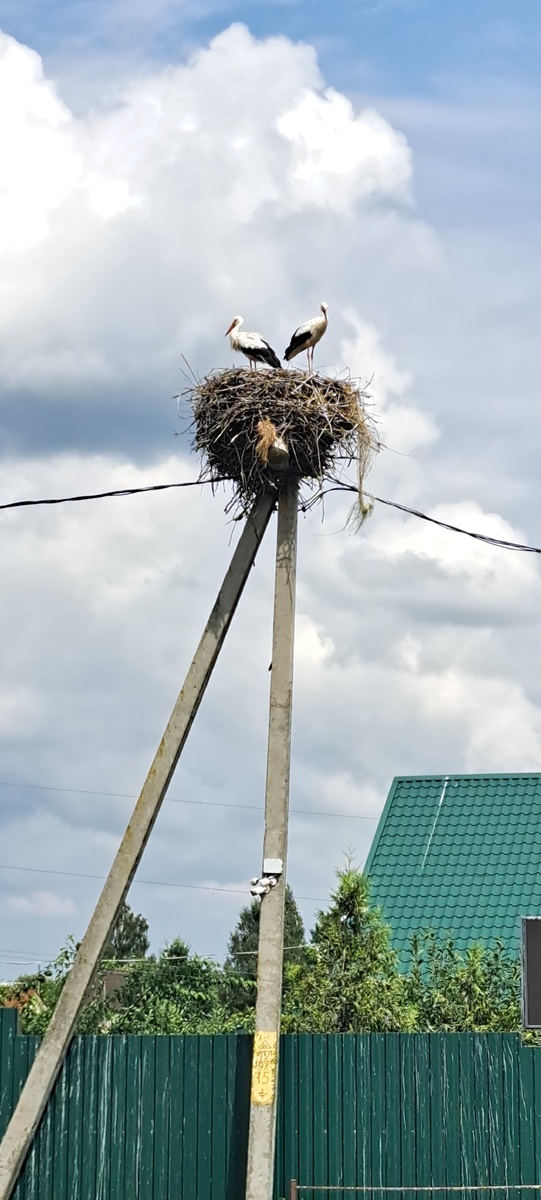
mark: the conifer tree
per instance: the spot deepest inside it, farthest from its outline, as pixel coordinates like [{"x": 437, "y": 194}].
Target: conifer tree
[
  {"x": 129, "y": 936},
  {"x": 240, "y": 969},
  {"x": 348, "y": 981}
]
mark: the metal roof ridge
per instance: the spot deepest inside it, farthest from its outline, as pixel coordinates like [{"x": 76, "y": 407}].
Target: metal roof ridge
[{"x": 437, "y": 775}]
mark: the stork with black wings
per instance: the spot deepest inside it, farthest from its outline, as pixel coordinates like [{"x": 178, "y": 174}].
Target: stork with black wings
[
  {"x": 307, "y": 336},
  {"x": 252, "y": 345}
]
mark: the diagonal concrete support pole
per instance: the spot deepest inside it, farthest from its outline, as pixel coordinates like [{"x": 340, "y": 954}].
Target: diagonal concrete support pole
[
  {"x": 262, "y": 1135},
  {"x": 37, "y": 1089}
]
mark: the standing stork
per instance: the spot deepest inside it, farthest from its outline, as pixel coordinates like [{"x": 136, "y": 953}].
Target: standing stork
[
  {"x": 307, "y": 336},
  {"x": 252, "y": 345}
]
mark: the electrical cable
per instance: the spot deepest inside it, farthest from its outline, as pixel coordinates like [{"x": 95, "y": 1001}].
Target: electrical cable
[
  {"x": 480, "y": 537},
  {"x": 197, "y": 887},
  {"x": 501, "y": 543},
  {"x": 133, "y": 961},
  {"x": 153, "y": 487},
  {"x": 339, "y": 487},
  {"x": 308, "y": 812}
]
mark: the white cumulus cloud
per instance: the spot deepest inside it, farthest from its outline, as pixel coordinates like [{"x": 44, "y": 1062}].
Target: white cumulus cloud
[
  {"x": 341, "y": 156},
  {"x": 40, "y": 164},
  {"x": 142, "y": 226},
  {"x": 41, "y": 904},
  {"x": 234, "y": 181}
]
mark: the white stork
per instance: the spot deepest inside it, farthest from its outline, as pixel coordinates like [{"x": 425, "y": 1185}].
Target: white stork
[
  {"x": 307, "y": 336},
  {"x": 252, "y": 345}
]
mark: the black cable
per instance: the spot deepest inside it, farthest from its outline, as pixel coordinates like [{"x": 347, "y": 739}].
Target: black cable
[
  {"x": 340, "y": 487},
  {"x": 22, "y": 962},
  {"x": 194, "y": 887},
  {"x": 414, "y": 512},
  {"x": 153, "y": 487},
  {"x": 304, "y": 812},
  {"x": 480, "y": 537}
]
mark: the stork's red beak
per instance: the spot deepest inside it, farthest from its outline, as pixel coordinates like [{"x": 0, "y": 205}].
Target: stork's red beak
[{"x": 230, "y": 328}]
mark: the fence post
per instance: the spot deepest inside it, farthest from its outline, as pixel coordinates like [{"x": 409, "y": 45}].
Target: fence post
[{"x": 293, "y": 1190}]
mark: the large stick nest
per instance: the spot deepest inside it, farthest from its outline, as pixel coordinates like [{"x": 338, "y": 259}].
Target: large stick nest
[{"x": 259, "y": 428}]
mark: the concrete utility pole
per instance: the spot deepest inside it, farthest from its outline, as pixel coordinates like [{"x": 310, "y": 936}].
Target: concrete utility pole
[
  {"x": 262, "y": 1135},
  {"x": 43, "y": 1073}
]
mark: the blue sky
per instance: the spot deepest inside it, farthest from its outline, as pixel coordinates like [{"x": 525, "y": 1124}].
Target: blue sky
[
  {"x": 399, "y": 47},
  {"x": 163, "y": 167}
]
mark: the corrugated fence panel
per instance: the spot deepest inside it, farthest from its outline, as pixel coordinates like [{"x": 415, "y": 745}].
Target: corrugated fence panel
[
  {"x": 438, "y": 1142},
  {"x": 8, "y": 1033},
  {"x": 415, "y": 1110},
  {"x": 496, "y": 1166},
  {"x": 166, "y": 1118},
  {"x": 176, "y": 1114},
  {"x": 162, "y": 1126},
  {"x": 392, "y": 1141},
  {"x": 408, "y": 1099},
  {"x": 510, "y": 1089},
  {"x": 353, "y": 1122}
]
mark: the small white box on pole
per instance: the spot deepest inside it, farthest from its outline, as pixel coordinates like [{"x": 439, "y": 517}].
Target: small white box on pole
[{"x": 273, "y": 866}]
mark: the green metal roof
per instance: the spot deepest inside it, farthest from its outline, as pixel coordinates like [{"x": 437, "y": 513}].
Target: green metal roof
[{"x": 459, "y": 854}]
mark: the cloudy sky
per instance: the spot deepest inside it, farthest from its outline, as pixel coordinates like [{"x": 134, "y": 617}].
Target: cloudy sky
[{"x": 165, "y": 164}]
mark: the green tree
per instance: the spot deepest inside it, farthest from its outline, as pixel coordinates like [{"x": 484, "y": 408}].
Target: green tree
[
  {"x": 129, "y": 936},
  {"x": 36, "y": 996},
  {"x": 175, "y": 992},
  {"x": 171, "y": 993},
  {"x": 477, "y": 990},
  {"x": 348, "y": 980},
  {"x": 240, "y": 968}
]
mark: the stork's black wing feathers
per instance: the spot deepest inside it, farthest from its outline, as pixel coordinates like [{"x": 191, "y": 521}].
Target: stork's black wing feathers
[
  {"x": 266, "y": 355},
  {"x": 298, "y": 342}
]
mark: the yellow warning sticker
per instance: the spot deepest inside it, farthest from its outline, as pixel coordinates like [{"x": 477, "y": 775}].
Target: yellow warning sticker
[{"x": 264, "y": 1060}]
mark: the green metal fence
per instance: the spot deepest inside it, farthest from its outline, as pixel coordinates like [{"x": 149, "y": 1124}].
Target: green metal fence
[{"x": 166, "y": 1118}]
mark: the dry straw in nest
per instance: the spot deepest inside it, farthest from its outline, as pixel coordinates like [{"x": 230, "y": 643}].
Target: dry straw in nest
[{"x": 256, "y": 428}]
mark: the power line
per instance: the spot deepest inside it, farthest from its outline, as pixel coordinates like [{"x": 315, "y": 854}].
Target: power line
[
  {"x": 197, "y": 887},
  {"x": 304, "y": 812},
  {"x": 152, "y": 487},
  {"x": 415, "y": 512},
  {"x": 151, "y": 959},
  {"x": 480, "y": 537},
  {"x": 21, "y": 961},
  {"x": 151, "y": 882},
  {"x": 339, "y": 487}
]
